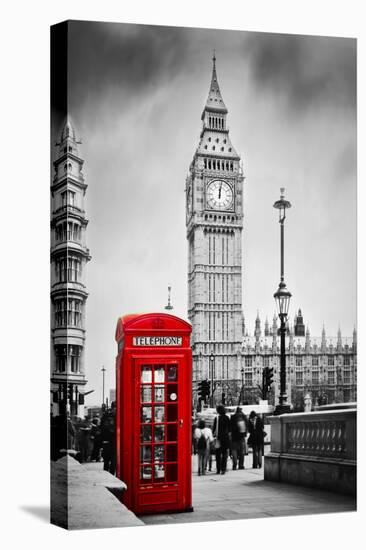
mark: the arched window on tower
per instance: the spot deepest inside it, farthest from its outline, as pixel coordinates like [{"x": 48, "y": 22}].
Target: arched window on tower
[
  {"x": 75, "y": 354},
  {"x": 61, "y": 357},
  {"x": 60, "y": 313}
]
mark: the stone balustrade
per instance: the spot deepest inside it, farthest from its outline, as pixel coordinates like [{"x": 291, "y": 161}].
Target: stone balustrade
[{"x": 316, "y": 449}]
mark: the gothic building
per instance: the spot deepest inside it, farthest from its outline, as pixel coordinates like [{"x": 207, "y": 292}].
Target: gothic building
[
  {"x": 325, "y": 367},
  {"x": 69, "y": 255},
  {"x": 214, "y": 221}
]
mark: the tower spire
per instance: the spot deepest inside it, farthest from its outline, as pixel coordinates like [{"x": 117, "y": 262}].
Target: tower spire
[{"x": 214, "y": 101}]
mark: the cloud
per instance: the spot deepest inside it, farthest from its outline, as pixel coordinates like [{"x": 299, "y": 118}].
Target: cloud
[
  {"x": 305, "y": 70},
  {"x": 129, "y": 57}
]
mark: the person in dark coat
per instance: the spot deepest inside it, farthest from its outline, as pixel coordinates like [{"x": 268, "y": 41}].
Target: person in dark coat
[
  {"x": 238, "y": 423},
  {"x": 221, "y": 433},
  {"x": 95, "y": 436},
  {"x": 109, "y": 444},
  {"x": 256, "y": 438}
]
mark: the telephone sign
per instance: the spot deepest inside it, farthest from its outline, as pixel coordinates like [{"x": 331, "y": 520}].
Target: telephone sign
[{"x": 153, "y": 412}]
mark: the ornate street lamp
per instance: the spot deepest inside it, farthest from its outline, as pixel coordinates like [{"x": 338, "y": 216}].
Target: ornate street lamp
[
  {"x": 212, "y": 364},
  {"x": 169, "y": 305},
  {"x": 241, "y": 397},
  {"x": 103, "y": 373},
  {"x": 282, "y": 298}
]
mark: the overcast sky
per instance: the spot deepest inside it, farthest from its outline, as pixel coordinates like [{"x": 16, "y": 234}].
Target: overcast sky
[{"x": 136, "y": 94}]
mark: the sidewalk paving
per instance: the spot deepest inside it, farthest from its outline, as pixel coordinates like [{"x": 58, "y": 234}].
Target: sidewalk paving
[
  {"x": 238, "y": 494},
  {"x": 82, "y": 497},
  {"x": 244, "y": 494}
]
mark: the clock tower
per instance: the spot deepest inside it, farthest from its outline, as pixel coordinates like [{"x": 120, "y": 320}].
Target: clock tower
[{"x": 214, "y": 221}]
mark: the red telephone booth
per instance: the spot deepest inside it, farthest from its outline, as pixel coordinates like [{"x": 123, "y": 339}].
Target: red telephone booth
[{"x": 154, "y": 407}]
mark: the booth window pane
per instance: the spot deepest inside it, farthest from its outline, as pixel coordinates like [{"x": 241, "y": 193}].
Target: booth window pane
[
  {"x": 159, "y": 472},
  {"x": 172, "y": 453},
  {"x": 159, "y": 432},
  {"x": 145, "y": 394},
  {"x": 146, "y": 433},
  {"x": 159, "y": 453},
  {"x": 146, "y": 474},
  {"x": 159, "y": 375},
  {"x": 159, "y": 414},
  {"x": 146, "y": 375},
  {"x": 172, "y": 472},
  {"x": 159, "y": 394},
  {"x": 172, "y": 413},
  {"x": 145, "y": 452},
  {"x": 146, "y": 414},
  {"x": 159, "y": 440},
  {"x": 171, "y": 432},
  {"x": 172, "y": 392},
  {"x": 172, "y": 373}
]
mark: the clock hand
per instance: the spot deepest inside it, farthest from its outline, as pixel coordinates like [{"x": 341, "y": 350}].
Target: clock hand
[{"x": 220, "y": 191}]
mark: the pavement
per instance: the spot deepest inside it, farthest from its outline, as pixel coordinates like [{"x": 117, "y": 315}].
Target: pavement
[
  {"x": 87, "y": 502},
  {"x": 244, "y": 494},
  {"x": 82, "y": 497}
]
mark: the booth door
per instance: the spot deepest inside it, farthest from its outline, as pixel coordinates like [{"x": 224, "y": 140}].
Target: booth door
[{"x": 160, "y": 446}]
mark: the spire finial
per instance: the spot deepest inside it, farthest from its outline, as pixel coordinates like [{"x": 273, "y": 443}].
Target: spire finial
[{"x": 214, "y": 59}]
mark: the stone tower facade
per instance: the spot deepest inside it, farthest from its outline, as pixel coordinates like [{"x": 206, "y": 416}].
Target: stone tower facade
[
  {"x": 69, "y": 256},
  {"x": 214, "y": 221}
]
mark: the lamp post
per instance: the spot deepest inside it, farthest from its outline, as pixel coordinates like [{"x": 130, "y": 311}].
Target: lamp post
[
  {"x": 282, "y": 297},
  {"x": 241, "y": 398},
  {"x": 103, "y": 371},
  {"x": 212, "y": 363},
  {"x": 169, "y": 305}
]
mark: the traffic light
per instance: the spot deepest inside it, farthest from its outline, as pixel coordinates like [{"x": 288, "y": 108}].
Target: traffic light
[
  {"x": 267, "y": 381},
  {"x": 269, "y": 377},
  {"x": 200, "y": 390},
  {"x": 206, "y": 389}
]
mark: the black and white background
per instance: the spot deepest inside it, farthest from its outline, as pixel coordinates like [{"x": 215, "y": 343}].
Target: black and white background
[{"x": 25, "y": 214}]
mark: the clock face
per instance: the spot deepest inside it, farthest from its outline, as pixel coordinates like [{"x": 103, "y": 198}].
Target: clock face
[{"x": 219, "y": 195}]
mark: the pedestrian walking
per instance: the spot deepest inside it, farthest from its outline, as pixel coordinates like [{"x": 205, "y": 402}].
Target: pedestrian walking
[
  {"x": 256, "y": 438},
  {"x": 203, "y": 437},
  {"x": 238, "y": 423},
  {"x": 221, "y": 432},
  {"x": 84, "y": 442},
  {"x": 201, "y": 446},
  {"x": 109, "y": 444},
  {"x": 70, "y": 430},
  {"x": 95, "y": 437}
]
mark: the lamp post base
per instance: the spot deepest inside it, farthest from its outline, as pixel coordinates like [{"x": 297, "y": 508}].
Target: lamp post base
[{"x": 282, "y": 409}]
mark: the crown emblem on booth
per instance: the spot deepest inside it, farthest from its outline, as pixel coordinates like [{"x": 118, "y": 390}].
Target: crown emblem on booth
[{"x": 158, "y": 323}]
